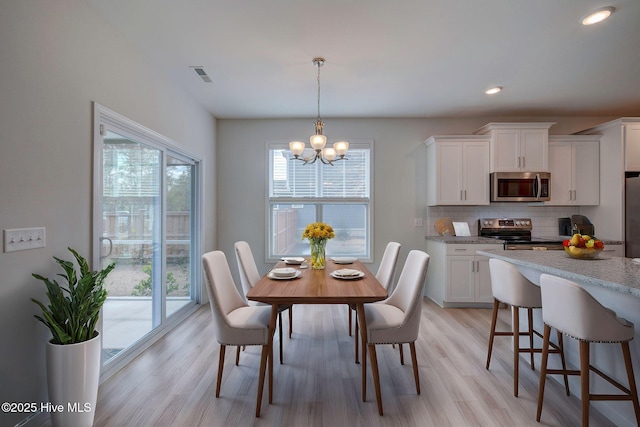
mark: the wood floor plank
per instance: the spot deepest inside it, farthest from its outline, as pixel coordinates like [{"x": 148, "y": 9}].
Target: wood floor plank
[{"x": 173, "y": 382}]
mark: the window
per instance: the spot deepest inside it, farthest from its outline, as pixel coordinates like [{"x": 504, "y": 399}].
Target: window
[{"x": 339, "y": 195}]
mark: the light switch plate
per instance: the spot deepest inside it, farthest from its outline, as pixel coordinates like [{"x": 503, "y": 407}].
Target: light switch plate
[{"x": 21, "y": 239}]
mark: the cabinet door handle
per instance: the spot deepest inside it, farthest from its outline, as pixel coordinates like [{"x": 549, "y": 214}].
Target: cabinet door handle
[
  {"x": 574, "y": 195},
  {"x": 473, "y": 266},
  {"x": 523, "y": 161},
  {"x": 465, "y": 194},
  {"x": 461, "y": 195},
  {"x": 519, "y": 161}
]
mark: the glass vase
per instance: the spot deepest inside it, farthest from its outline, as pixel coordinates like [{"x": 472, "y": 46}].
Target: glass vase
[{"x": 318, "y": 254}]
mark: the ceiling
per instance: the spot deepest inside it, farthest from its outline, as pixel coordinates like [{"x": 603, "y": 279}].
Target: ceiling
[{"x": 403, "y": 58}]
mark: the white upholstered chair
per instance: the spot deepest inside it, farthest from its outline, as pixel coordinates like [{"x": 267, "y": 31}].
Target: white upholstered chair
[
  {"x": 510, "y": 287},
  {"x": 384, "y": 275},
  {"x": 570, "y": 309},
  {"x": 249, "y": 276},
  {"x": 235, "y": 322},
  {"x": 396, "y": 320}
]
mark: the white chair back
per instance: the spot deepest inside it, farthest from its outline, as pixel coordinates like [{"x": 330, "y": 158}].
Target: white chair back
[
  {"x": 247, "y": 268},
  {"x": 387, "y": 267},
  {"x": 223, "y": 295},
  {"x": 408, "y": 292},
  {"x": 509, "y": 286},
  {"x": 571, "y": 309}
]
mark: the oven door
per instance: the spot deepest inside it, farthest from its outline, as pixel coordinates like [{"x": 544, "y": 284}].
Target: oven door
[{"x": 520, "y": 186}]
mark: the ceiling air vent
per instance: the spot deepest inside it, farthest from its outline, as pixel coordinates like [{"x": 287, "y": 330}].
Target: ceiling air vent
[{"x": 202, "y": 74}]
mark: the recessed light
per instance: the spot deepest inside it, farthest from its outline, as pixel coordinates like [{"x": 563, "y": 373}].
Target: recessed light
[
  {"x": 598, "y": 15},
  {"x": 493, "y": 90}
]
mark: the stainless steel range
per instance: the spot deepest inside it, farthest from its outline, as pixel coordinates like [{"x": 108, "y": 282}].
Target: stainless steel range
[{"x": 516, "y": 234}]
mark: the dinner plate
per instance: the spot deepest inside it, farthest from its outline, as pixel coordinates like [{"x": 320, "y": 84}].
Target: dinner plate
[
  {"x": 344, "y": 259},
  {"x": 293, "y": 260},
  {"x": 297, "y": 274},
  {"x": 283, "y": 272},
  {"x": 355, "y": 274}
]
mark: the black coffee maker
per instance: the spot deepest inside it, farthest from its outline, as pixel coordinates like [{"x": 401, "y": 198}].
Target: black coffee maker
[{"x": 575, "y": 224}]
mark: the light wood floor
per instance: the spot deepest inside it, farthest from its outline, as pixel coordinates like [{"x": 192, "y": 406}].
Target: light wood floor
[{"x": 173, "y": 383}]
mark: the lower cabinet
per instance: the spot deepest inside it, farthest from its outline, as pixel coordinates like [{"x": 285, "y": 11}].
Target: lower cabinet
[{"x": 457, "y": 276}]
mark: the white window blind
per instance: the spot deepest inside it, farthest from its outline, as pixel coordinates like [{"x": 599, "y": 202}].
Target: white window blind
[{"x": 337, "y": 194}]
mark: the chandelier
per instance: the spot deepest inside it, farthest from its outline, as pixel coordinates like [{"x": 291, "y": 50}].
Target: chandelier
[{"x": 318, "y": 141}]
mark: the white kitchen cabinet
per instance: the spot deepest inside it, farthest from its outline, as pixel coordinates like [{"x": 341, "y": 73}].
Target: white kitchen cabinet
[
  {"x": 574, "y": 163},
  {"x": 632, "y": 147},
  {"x": 457, "y": 276},
  {"x": 518, "y": 147},
  {"x": 458, "y": 170},
  {"x": 612, "y": 249}
]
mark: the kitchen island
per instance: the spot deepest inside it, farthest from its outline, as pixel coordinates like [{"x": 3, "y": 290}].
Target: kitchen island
[{"x": 615, "y": 283}]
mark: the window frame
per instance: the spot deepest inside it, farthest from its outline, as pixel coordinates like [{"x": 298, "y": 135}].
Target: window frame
[{"x": 367, "y": 144}]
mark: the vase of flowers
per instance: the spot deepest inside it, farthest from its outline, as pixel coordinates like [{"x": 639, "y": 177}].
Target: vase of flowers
[{"x": 318, "y": 233}]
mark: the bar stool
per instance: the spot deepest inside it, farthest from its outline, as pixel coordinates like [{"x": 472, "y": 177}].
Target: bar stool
[
  {"x": 587, "y": 321},
  {"x": 510, "y": 287}
]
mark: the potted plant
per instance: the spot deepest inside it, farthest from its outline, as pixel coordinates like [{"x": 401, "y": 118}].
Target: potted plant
[{"x": 73, "y": 353}]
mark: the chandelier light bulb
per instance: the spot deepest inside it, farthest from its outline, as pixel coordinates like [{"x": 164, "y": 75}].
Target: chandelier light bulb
[
  {"x": 341, "y": 147},
  {"x": 329, "y": 154},
  {"x": 296, "y": 147},
  {"x": 318, "y": 141}
]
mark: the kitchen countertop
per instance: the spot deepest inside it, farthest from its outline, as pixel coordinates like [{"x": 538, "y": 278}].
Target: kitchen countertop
[
  {"x": 614, "y": 273},
  {"x": 465, "y": 240},
  {"x": 487, "y": 240}
]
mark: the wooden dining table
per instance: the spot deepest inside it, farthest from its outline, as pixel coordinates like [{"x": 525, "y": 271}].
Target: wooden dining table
[{"x": 315, "y": 287}]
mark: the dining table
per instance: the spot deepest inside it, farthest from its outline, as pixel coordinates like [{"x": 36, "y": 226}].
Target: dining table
[{"x": 315, "y": 286}]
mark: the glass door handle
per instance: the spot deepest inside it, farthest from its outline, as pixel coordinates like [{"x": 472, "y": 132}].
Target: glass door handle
[{"x": 110, "y": 246}]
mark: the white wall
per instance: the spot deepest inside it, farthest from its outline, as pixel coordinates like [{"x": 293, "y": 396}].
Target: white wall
[
  {"x": 56, "y": 57},
  {"x": 399, "y": 175}
]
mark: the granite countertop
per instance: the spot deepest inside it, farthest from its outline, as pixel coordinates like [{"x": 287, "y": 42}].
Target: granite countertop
[
  {"x": 615, "y": 273},
  {"x": 487, "y": 240},
  {"x": 465, "y": 240}
]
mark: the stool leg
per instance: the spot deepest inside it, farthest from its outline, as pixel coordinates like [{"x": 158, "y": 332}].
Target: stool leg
[
  {"x": 564, "y": 363},
  {"x": 543, "y": 369},
  {"x": 494, "y": 318},
  {"x": 584, "y": 381},
  {"x": 516, "y": 348},
  {"x": 402, "y": 356},
  {"x": 350, "y": 320},
  {"x": 632, "y": 381},
  {"x": 530, "y": 320}
]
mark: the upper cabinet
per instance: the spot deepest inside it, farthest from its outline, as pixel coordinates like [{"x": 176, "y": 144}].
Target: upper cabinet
[
  {"x": 458, "y": 170},
  {"x": 632, "y": 147},
  {"x": 518, "y": 147},
  {"x": 574, "y": 163}
]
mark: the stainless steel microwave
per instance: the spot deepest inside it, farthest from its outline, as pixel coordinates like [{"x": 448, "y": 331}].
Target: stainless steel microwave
[{"x": 520, "y": 186}]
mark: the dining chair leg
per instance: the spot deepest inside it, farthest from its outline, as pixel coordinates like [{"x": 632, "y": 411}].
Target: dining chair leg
[
  {"x": 376, "y": 376},
  {"x": 220, "y": 368},
  {"x": 584, "y": 381},
  {"x": 272, "y": 327},
  {"x": 280, "y": 334},
  {"x": 543, "y": 369},
  {"x": 350, "y": 320},
  {"x": 237, "y": 355},
  {"x": 290, "y": 321},
  {"x": 494, "y": 319},
  {"x": 633, "y": 390},
  {"x": 401, "y": 354},
  {"x": 356, "y": 340},
  {"x": 263, "y": 365},
  {"x": 516, "y": 349},
  {"x": 530, "y": 321},
  {"x": 414, "y": 362}
]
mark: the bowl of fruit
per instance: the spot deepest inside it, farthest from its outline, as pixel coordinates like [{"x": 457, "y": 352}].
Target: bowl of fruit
[{"x": 582, "y": 246}]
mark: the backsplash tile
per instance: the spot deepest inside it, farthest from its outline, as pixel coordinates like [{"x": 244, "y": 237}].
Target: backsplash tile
[{"x": 544, "y": 218}]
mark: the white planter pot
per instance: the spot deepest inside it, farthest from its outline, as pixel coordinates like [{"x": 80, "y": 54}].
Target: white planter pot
[{"x": 73, "y": 374}]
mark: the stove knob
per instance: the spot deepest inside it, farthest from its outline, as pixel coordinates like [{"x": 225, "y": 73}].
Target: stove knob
[
  {"x": 526, "y": 223},
  {"x": 517, "y": 222}
]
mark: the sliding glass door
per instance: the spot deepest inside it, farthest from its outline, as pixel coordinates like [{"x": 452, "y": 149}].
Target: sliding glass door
[{"x": 146, "y": 222}]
